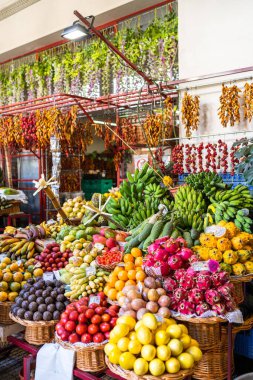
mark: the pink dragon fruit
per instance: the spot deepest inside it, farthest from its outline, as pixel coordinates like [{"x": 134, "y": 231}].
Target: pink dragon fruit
[
  {"x": 161, "y": 240},
  {"x": 175, "y": 262},
  {"x": 225, "y": 291},
  {"x": 185, "y": 253},
  {"x": 181, "y": 241},
  {"x": 196, "y": 296},
  {"x": 202, "y": 308},
  {"x": 193, "y": 259},
  {"x": 203, "y": 281},
  {"x": 212, "y": 296},
  {"x": 179, "y": 273},
  {"x": 173, "y": 304},
  {"x": 219, "y": 308},
  {"x": 230, "y": 305},
  {"x": 165, "y": 269},
  {"x": 186, "y": 307},
  {"x": 219, "y": 278},
  {"x": 187, "y": 282},
  {"x": 180, "y": 294},
  {"x": 149, "y": 261},
  {"x": 169, "y": 284},
  {"x": 160, "y": 254},
  {"x": 171, "y": 246}
]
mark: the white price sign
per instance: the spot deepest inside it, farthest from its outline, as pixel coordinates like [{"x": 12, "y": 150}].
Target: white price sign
[
  {"x": 158, "y": 318},
  {"x": 57, "y": 275},
  {"x": 48, "y": 276},
  {"x": 19, "y": 262},
  {"x": 90, "y": 271},
  {"x": 94, "y": 299}
]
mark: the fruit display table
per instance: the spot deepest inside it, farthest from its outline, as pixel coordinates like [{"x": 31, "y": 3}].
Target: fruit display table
[{"x": 32, "y": 351}]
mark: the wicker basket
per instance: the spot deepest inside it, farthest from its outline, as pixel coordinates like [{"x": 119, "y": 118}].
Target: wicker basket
[
  {"x": 207, "y": 331},
  {"x": 13, "y": 209},
  {"x": 88, "y": 358},
  {"x": 213, "y": 366},
  {"x": 238, "y": 292},
  {"x": 5, "y": 308},
  {"x": 109, "y": 267},
  {"x": 37, "y": 333},
  {"x": 243, "y": 278},
  {"x": 130, "y": 375}
]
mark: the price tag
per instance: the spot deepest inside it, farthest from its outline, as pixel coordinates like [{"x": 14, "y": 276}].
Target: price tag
[
  {"x": 99, "y": 246},
  {"x": 90, "y": 271},
  {"x": 37, "y": 265},
  {"x": 200, "y": 265},
  {"x": 2, "y": 256},
  {"x": 158, "y": 318},
  {"x": 94, "y": 299},
  {"x": 48, "y": 276},
  {"x": 57, "y": 275}
]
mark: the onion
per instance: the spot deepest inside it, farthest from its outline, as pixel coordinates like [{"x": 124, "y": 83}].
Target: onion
[
  {"x": 164, "y": 312},
  {"x": 164, "y": 301}
]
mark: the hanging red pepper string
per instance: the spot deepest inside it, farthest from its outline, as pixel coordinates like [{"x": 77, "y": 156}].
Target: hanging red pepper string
[
  {"x": 188, "y": 161},
  {"x": 213, "y": 157},
  {"x": 178, "y": 159},
  {"x": 233, "y": 159},
  {"x": 208, "y": 157},
  {"x": 194, "y": 158},
  {"x": 223, "y": 160},
  {"x": 200, "y": 149}
]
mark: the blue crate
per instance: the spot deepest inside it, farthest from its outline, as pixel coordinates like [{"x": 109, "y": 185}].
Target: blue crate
[
  {"x": 244, "y": 344},
  {"x": 182, "y": 177}
]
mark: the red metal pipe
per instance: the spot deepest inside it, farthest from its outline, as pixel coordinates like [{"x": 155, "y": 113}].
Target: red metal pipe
[{"x": 115, "y": 50}]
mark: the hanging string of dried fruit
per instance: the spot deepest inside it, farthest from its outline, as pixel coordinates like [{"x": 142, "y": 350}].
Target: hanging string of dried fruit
[
  {"x": 129, "y": 130},
  {"x": 248, "y": 101},
  {"x": 178, "y": 159},
  {"x": 223, "y": 156},
  {"x": 29, "y": 139},
  {"x": 190, "y": 113},
  {"x": 229, "y": 110}
]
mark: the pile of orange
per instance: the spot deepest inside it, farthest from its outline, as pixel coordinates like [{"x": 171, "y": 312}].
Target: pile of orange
[
  {"x": 13, "y": 277},
  {"x": 129, "y": 272}
]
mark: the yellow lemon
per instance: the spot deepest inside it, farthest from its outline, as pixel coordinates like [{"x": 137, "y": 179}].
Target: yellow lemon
[
  {"x": 172, "y": 365},
  {"x": 27, "y": 275},
  {"x": 127, "y": 320},
  {"x": 144, "y": 335},
  {"x": 15, "y": 286},
  {"x": 120, "y": 330},
  {"x": 156, "y": 367},
  {"x": 174, "y": 331},
  {"x": 183, "y": 328},
  {"x": 163, "y": 352},
  {"x": 186, "y": 360},
  {"x": 6, "y": 260},
  {"x": 132, "y": 335},
  {"x": 149, "y": 320},
  {"x": 195, "y": 352},
  {"x": 114, "y": 355},
  {"x": 194, "y": 343},
  {"x": 148, "y": 352},
  {"x": 176, "y": 347},
  {"x": 123, "y": 344},
  {"x": 140, "y": 367},
  {"x": 186, "y": 340},
  {"x": 134, "y": 347},
  {"x": 162, "y": 337},
  {"x": 126, "y": 360},
  {"x": 109, "y": 347}
]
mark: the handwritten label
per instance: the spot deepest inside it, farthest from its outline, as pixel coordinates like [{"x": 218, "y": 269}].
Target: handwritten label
[
  {"x": 200, "y": 265},
  {"x": 158, "y": 318},
  {"x": 94, "y": 299},
  {"x": 57, "y": 275},
  {"x": 90, "y": 271},
  {"x": 48, "y": 276}
]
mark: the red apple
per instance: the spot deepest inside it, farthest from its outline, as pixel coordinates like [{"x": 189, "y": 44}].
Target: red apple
[
  {"x": 73, "y": 338},
  {"x": 93, "y": 306},
  {"x": 70, "y": 326},
  {"x": 101, "y": 295},
  {"x": 93, "y": 329},
  {"x": 86, "y": 338},
  {"x": 81, "y": 328},
  {"x": 65, "y": 336},
  {"x": 105, "y": 326},
  {"x": 98, "y": 338}
]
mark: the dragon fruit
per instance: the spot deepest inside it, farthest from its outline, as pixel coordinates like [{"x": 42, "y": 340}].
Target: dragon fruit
[
  {"x": 149, "y": 261},
  {"x": 169, "y": 284},
  {"x": 225, "y": 291},
  {"x": 219, "y": 278},
  {"x": 160, "y": 254},
  {"x": 180, "y": 294},
  {"x": 185, "y": 253},
  {"x": 196, "y": 296},
  {"x": 202, "y": 308},
  {"x": 230, "y": 305},
  {"x": 186, "y": 307},
  {"x": 173, "y": 304},
  {"x": 179, "y": 273},
  {"x": 181, "y": 241},
  {"x": 187, "y": 282},
  {"x": 203, "y": 281},
  {"x": 165, "y": 269},
  {"x": 171, "y": 246},
  {"x": 219, "y": 308},
  {"x": 193, "y": 259},
  {"x": 153, "y": 247},
  {"x": 175, "y": 262},
  {"x": 212, "y": 296}
]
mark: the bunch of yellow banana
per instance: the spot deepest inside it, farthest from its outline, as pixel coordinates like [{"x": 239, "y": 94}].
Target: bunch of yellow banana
[
  {"x": 16, "y": 248},
  {"x": 52, "y": 229},
  {"x": 10, "y": 230}
]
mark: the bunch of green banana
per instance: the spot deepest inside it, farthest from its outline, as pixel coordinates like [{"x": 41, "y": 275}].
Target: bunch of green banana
[
  {"x": 207, "y": 182},
  {"x": 190, "y": 206},
  {"x": 154, "y": 190},
  {"x": 239, "y": 197},
  {"x": 146, "y": 175}
]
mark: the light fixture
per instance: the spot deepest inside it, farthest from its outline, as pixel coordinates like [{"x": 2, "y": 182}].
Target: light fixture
[{"x": 77, "y": 31}]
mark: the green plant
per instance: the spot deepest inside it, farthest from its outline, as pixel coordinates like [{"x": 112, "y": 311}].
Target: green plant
[{"x": 244, "y": 154}]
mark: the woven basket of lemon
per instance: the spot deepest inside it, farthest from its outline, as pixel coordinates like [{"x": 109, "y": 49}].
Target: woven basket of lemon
[{"x": 150, "y": 349}]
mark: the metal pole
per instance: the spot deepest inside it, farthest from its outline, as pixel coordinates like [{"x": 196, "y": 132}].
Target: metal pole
[{"x": 212, "y": 135}]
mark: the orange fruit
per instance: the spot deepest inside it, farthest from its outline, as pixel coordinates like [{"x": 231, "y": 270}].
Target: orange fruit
[
  {"x": 119, "y": 285},
  {"x": 3, "y": 265},
  {"x": 112, "y": 280},
  {"x": 14, "y": 267},
  {"x": 38, "y": 272},
  {"x": 6, "y": 260},
  {"x": 27, "y": 275},
  {"x": 138, "y": 261},
  {"x": 136, "y": 252},
  {"x": 106, "y": 289},
  {"x": 18, "y": 277},
  {"x": 140, "y": 275},
  {"x": 12, "y": 296},
  {"x": 3, "y": 296},
  {"x": 128, "y": 257},
  {"x": 131, "y": 274},
  {"x": 130, "y": 282},
  {"x": 123, "y": 275},
  {"x": 7, "y": 277},
  {"x": 112, "y": 294},
  {"x": 129, "y": 265},
  {"x": 117, "y": 270}
]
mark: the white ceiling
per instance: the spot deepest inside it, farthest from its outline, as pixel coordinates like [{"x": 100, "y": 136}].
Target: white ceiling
[{"x": 6, "y": 3}]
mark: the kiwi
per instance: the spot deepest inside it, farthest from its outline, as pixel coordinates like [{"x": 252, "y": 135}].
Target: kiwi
[
  {"x": 42, "y": 308},
  {"x": 33, "y": 306},
  {"x": 47, "y": 316},
  {"x": 51, "y": 307},
  {"x": 32, "y": 298},
  {"x": 28, "y": 315},
  {"x": 37, "y": 316},
  {"x": 48, "y": 300},
  {"x": 60, "y": 306},
  {"x": 56, "y": 315},
  {"x": 60, "y": 298},
  {"x": 40, "y": 300},
  {"x": 20, "y": 313},
  {"x": 25, "y": 304}
]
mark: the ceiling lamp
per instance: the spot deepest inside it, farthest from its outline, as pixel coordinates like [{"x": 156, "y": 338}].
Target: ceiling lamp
[{"x": 77, "y": 31}]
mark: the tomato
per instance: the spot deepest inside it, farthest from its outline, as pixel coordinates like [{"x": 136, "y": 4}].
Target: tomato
[
  {"x": 93, "y": 329},
  {"x": 82, "y": 318},
  {"x": 65, "y": 336},
  {"x": 107, "y": 335},
  {"x": 70, "y": 307},
  {"x": 86, "y": 338},
  {"x": 112, "y": 312},
  {"x": 73, "y": 338},
  {"x": 104, "y": 303},
  {"x": 70, "y": 326},
  {"x": 89, "y": 313},
  {"x": 114, "y": 307},
  {"x": 49, "y": 269},
  {"x": 93, "y": 306},
  {"x": 106, "y": 318},
  {"x": 73, "y": 316},
  {"x": 58, "y": 326},
  {"x": 64, "y": 315},
  {"x": 81, "y": 308},
  {"x": 100, "y": 310},
  {"x": 105, "y": 326},
  {"x": 96, "y": 319},
  {"x": 64, "y": 320},
  {"x": 61, "y": 330},
  {"x": 113, "y": 321},
  {"x": 98, "y": 338},
  {"x": 81, "y": 328}
]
